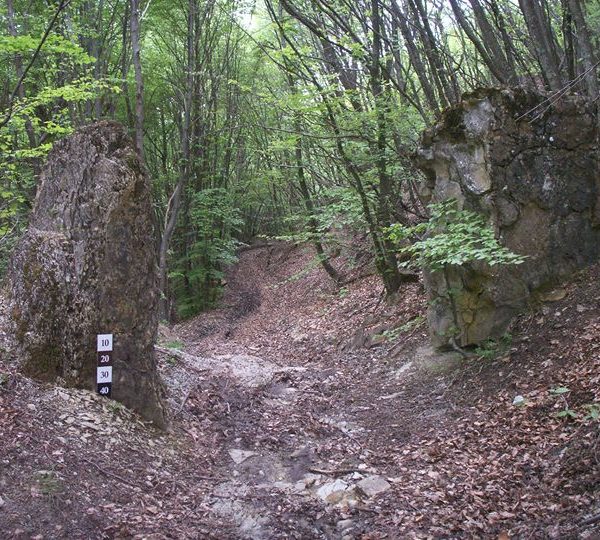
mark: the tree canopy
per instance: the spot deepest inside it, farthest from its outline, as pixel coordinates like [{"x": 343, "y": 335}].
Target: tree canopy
[{"x": 293, "y": 119}]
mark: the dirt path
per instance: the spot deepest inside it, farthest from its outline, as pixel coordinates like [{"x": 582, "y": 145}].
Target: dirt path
[
  {"x": 302, "y": 411},
  {"x": 295, "y": 462},
  {"x": 376, "y": 434}
]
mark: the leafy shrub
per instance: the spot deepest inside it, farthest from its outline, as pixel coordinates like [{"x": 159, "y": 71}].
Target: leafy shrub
[
  {"x": 451, "y": 237},
  {"x": 198, "y": 275}
]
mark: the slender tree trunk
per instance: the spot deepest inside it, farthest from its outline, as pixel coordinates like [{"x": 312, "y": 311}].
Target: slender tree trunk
[
  {"x": 588, "y": 61},
  {"x": 488, "y": 46},
  {"x": 97, "y": 53},
  {"x": 568, "y": 39},
  {"x": 125, "y": 63},
  {"x": 543, "y": 42},
  {"x": 139, "y": 81},
  {"x": 310, "y": 208},
  {"x": 431, "y": 46},
  {"x": 416, "y": 60},
  {"x": 12, "y": 30},
  {"x": 388, "y": 265},
  {"x": 174, "y": 205}
]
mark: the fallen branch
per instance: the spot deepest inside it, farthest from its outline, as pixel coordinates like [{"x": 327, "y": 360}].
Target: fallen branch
[
  {"x": 110, "y": 474},
  {"x": 334, "y": 472},
  {"x": 590, "y": 521}
]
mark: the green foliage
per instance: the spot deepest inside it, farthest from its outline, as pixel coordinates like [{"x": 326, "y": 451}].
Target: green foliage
[
  {"x": 174, "y": 344},
  {"x": 593, "y": 411},
  {"x": 394, "y": 333},
  {"x": 340, "y": 209},
  {"x": 48, "y": 482},
  {"x": 172, "y": 360},
  {"x": 337, "y": 209},
  {"x": 493, "y": 348},
  {"x": 55, "y": 44},
  {"x": 452, "y": 237},
  {"x": 590, "y": 412},
  {"x": 115, "y": 407},
  {"x": 559, "y": 390},
  {"x": 566, "y": 413},
  {"x": 214, "y": 220},
  {"x": 342, "y": 292}
]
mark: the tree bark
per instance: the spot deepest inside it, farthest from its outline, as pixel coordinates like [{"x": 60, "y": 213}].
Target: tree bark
[
  {"x": 416, "y": 60},
  {"x": 488, "y": 46},
  {"x": 542, "y": 42},
  {"x": 588, "y": 61},
  {"x": 139, "y": 81}
]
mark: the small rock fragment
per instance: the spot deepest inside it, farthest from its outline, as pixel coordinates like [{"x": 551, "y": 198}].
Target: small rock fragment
[
  {"x": 553, "y": 296},
  {"x": 332, "y": 492},
  {"x": 310, "y": 479},
  {"x": 519, "y": 401},
  {"x": 239, "y": 456},
  {"x": 344, "y": 525},
  {"x": 373, "y": 485}
]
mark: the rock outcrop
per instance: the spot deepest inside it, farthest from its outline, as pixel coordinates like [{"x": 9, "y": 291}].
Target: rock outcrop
[
  {"x": 529, "y": 163},
  {"x": 87, "y": 266}
]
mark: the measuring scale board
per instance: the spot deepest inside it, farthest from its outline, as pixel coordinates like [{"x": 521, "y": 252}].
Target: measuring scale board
[{"x": 105, "y": 364}]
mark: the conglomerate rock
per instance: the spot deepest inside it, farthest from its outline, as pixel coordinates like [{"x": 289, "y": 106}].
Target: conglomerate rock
[
  {"x": 529, "y": 163},
  {"x": 87, "y": 266}
]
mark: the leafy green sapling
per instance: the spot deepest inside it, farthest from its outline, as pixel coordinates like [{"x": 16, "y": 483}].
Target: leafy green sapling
[{"x": 451, "y": 237}]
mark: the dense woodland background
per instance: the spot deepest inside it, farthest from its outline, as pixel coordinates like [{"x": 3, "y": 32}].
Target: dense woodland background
[{"x": 293, "y": 119}]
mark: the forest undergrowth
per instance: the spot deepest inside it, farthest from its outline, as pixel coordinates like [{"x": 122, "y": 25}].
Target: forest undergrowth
[{"x": 304, "y": 410}]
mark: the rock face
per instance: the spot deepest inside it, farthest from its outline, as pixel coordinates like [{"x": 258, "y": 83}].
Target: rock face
[
  {"x": 530, "y": 165},
  {"x": 87, "y": 266}
]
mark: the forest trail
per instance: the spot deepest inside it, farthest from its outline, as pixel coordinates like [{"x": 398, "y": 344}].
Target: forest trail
[
  {"x": 305, "y": 411},
  {"x": 307, "y": 414}
]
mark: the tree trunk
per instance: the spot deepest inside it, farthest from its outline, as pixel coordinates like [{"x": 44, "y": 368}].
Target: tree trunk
[
  {"x": 139, "y": 82},
  {"x": 175, "y": 201},
  {"x": 310, "y": 208},
  {"x": 12, "y": 30},
  {"x": 415, "y": 59},
  {"x": 589, "y": 64},
  {"x": 543, "y": 43}
]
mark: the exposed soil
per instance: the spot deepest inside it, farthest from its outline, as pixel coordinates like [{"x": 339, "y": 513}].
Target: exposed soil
[{"x": 305, "y": 411}]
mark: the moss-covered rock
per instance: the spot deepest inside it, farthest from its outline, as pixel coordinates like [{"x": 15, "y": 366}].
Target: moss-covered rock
[
  {"x": 529, "y": 163},
  {"x": 87, "y": 265}
]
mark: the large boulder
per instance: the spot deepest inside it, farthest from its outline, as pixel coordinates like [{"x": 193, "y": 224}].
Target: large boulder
[
  {"x": 529, "y": 164},
  {"x": 87, "y": 266}
]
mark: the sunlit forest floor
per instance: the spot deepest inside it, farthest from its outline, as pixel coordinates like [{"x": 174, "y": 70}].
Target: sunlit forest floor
[{"x": 302, "y": 410}]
